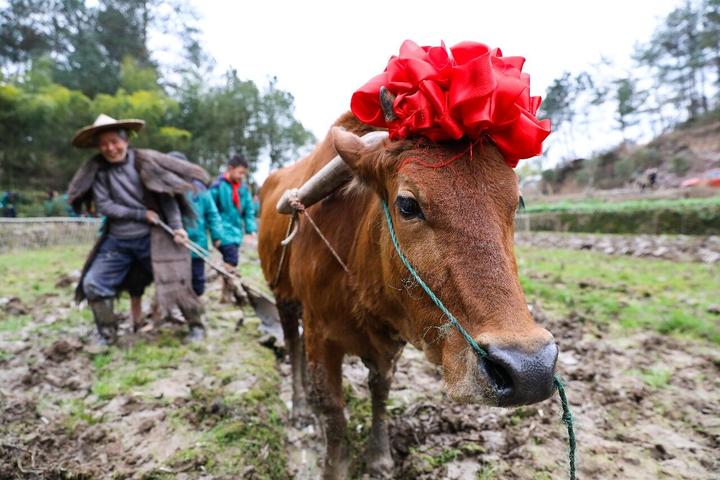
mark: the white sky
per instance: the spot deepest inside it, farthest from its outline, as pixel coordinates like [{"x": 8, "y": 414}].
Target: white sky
[{"x": 323, "y": 51}]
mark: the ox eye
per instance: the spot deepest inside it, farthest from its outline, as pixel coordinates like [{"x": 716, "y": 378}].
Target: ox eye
[{"x": 409, "y": 208}]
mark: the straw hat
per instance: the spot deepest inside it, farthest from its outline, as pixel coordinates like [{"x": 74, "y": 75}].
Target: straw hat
[{"x": 85, "y": 137}]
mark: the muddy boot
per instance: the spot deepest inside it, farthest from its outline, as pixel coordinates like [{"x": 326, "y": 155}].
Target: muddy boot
[
  {"x": 227, "y": 296},
  {"x": 194, "y": 319},
  {"x": 105, "y": 320}
]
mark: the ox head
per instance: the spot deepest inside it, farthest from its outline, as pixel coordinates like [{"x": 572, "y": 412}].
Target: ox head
[{"x": 453, "y": 208}]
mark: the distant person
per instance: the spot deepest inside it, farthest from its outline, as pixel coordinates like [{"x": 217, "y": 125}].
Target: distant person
[
  {"x": 134, "y": 189},
  {"x": 8, "y": 203},
  {"x": 652, "y": 175},
  {"x": 206, "y": 219},
  {"x": 256, "y": 199},
  {"x": 53, "y": 205},
  {"x": 69, "y": 210},
  {"x": 234, "y": 202}
]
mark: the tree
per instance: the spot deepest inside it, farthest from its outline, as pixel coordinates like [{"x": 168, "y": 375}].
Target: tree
[
  {"x": 629, "y": 101},
  {"x": 557, "y": 105},
  {"x": 710, "y": 38},
  {"x": 284, "y": 135},
  {"x": 676, "y": 55}
]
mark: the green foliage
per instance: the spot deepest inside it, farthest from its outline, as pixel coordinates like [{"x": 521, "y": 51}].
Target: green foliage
[
  {"x": 693, "y": 220},
  {"x": 60, "y": 71},
  {"x": 679, "y": 164},
  {"x": 134, "y": 77},
  {"x": 629, "y": 101}
]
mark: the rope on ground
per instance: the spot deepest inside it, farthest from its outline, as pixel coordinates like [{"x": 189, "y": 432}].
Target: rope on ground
[{"x": 567, "y": 415}]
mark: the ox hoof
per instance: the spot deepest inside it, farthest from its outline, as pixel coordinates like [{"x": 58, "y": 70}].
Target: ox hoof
[
  {"x": 301, "y": 415},
  {"x": 380, "y": 466}
]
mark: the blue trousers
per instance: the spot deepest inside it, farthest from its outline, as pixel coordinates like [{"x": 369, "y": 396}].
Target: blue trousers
[
  {"x": 112, "y": 263},
  {"x": 198, "y": 276},
  {"x": 230, "y": 253}
]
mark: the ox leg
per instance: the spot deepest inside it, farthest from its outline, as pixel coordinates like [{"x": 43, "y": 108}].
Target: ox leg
[
  {"x": 325, "y": 378},
  {"x": 290, "y": 317},
  {"x": 379, "y": 460}
]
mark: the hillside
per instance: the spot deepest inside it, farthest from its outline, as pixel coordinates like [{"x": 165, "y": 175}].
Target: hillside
[{"x": 684, "y": 152}]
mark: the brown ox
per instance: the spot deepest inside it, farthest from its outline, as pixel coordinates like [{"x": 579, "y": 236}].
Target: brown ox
[{"x": 455, "y": 224}]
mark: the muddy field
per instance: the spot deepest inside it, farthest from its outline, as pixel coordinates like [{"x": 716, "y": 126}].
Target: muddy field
[{"x": 646, "y": 398}]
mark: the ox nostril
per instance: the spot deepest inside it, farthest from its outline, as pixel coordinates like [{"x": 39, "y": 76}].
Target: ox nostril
[
  {"x": 500, "y": 378},
  {"x": 519, "y": 377}
]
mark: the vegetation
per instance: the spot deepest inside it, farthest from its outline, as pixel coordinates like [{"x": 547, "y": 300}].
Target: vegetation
[
  {"x": 64, "y": 62},
  {"x": 595, "y": 205},
  {"x": 623, "y": 293},
  {"x": 698, "y": 216},
  {"x": 674, "y": 82}
]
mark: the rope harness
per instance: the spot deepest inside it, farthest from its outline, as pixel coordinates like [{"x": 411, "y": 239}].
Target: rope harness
[
  {"x": 292, "y": 230},
  {"x": 567, "y": 418}
]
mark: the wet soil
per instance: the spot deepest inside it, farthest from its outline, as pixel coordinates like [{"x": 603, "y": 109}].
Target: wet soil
[
  {"x": 646, "y": 406},
  {"x": 679, "y": 248}
]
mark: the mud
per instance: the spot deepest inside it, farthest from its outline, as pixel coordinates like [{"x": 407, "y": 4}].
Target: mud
[
  {"x": 679, "y": 248},
  {"x": 646, "y": 406}
]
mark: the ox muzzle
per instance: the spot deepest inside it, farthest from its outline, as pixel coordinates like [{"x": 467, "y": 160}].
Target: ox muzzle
[{"x": 517, "y": 377}]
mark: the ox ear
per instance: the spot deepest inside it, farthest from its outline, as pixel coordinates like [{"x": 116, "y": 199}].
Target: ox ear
[
  {"x": 362, "y": 155},
  {"x": 348, "y": 145}
]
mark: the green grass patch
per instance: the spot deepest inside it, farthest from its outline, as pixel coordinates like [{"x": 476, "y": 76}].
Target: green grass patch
[
  {"x": 123, "y": 371},
  {"x": 669, "y": 297},
  {"x": 486, "y": 472},
  {"x": 693, "y": 216},
  {"x": 603, "y": 205},
  {"x": 14, "y": 324},
  {"x": 77, "y": 414},
  {"x": 654, "y": 377},
  {"x": 27, "y": 274}
]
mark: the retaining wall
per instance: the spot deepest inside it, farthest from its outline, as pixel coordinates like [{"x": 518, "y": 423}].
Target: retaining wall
[{"x": 39, "y": 232}]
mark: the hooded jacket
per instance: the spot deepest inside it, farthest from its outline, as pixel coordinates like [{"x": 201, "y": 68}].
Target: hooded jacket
[{"x": 236, "y": 221}]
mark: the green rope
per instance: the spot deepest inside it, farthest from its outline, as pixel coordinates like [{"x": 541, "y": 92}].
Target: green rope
[
  {"x": 566, "y": 416},
  {"x": 471, "y": 341},
  {"x": 568, "y": 421}
]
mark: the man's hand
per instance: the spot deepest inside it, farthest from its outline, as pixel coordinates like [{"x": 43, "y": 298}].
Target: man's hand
[
  {"x": 151, "y": 217},
  {"x": 216, "y": 243},
  {"x": 250, "y": 238},
  {"x": 181, "y": 236}
]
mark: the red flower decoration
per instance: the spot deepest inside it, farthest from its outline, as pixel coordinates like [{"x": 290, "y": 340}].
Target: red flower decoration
[{"x": 470, "y": 90}]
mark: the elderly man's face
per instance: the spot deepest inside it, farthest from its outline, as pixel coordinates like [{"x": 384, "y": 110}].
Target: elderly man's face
[{"x": 112, "y": 146}]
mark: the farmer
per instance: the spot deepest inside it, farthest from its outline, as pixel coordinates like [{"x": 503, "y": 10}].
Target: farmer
[
  {"x": 134, "y": 189},
  {"x": 8, "y": 204},
  {"x": 206, "y": 218},
  {"x": 234, "y": 202}
]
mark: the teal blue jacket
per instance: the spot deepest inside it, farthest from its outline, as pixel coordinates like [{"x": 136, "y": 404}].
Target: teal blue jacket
[
  {"x": 236, "y": 222},
  {"x": 206, "y": 218}
]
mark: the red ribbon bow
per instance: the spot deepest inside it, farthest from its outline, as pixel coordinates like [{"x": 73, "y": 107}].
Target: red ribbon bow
[{"x": 470, "y": 90}]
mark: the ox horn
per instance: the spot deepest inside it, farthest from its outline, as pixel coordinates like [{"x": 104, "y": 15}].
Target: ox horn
[
  {"x": 387, "y": 99},
  {"x": 328, "y": 179}
]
